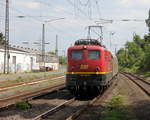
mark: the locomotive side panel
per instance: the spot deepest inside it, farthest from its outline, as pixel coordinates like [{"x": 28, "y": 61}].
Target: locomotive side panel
[{"x": 115, "y": 65}]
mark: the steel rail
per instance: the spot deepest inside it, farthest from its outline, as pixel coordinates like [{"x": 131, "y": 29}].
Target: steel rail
[
  {"x": 28, "y": 95},
  {"x": 28, "y": 83},
  {"x": 142, "y": 79},
  {"x": 53, "y": 110},
  {"x": 134, "y": 81},
  {"x": 77, "y": 113},
  {"x": 73, "y": 115}
]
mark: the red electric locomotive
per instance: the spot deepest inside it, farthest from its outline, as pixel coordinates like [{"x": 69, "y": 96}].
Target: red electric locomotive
[{"x": 90, "y": 67}]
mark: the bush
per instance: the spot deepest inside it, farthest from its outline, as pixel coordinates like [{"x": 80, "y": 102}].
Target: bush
[
  {"x": 116, "y": 110},
  {"x": 23, "y": 105}
]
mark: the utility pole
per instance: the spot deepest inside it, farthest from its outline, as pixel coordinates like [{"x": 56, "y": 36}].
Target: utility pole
[
  {"x": 101, "y": 37},
  {"x": 110, "y": 35},
  {"x": 43, "y": 40},
  {"x": 43, "y": 45},
  {"x": 56, "y": 51},
  {"x": 6, "y": 50}
]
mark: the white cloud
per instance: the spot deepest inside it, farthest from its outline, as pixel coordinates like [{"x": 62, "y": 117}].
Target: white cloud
[
  {"x": 60, "y": 8},
  {"x": 32, "y": 5},
  {"x": 125, "y": 2},
  {"x": 129, "y": 3}
]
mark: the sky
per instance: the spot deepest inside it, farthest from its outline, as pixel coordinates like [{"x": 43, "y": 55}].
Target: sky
[{"x": 78, "y": 15}]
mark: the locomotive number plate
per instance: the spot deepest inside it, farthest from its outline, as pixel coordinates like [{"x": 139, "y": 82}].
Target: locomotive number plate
[{"x": 83, "y": 67}]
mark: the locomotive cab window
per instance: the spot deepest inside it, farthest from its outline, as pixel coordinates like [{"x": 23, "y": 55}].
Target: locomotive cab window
[
  {"x": 76, "y": 54},
  {"x": 94, "y": 54}
]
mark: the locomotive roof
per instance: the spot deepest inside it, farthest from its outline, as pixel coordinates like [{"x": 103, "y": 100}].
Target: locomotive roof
[
  {"x": 90, "y": 43},
  {"x": 88, "y": 46},
  {"x": 87, "y": 42}
]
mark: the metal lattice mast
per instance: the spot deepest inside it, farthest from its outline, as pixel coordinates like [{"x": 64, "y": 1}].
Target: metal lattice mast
[{"x": 6, "y": 50}]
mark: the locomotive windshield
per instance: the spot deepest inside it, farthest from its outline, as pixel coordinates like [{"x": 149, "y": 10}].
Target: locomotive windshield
[
  {"x": 94, "y": 54},
  {"x": 77, "y": 54}
]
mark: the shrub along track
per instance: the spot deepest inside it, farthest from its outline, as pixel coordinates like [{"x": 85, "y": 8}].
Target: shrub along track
[{"x": 39, "y": 104}]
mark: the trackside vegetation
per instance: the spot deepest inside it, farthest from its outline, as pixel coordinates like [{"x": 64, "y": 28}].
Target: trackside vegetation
[
  {"x": 23, "y": 105},
  {"x": 136, "y": 54},
  {"x": 117, "y": 109}
]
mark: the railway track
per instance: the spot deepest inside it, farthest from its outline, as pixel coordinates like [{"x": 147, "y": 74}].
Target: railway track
[
  {"x": 140, "y": 82},
  {"x": 49, "y": 102},
  {"x": 67, "y": 110},
  {"x": 28, "y": 83},
  {"x": 100, "y": 98},
  {"x": 71, "y": 109},
  {"x": 54, "y": 106},
  {"x": 78, "y": 112},
  {"x": 27, "y": 96},
  {"x": 55, "y": 109}
]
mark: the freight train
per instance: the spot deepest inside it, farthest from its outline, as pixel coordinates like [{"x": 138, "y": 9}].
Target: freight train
[{"x": 90, "y": 67}]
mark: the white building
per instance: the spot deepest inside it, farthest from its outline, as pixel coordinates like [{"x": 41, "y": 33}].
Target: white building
[
  {"x": 25, "y": 60},
  {"x": 51, "y": 61}
]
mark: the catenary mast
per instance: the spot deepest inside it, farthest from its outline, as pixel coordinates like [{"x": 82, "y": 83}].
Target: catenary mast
[{"x": 6, "y": 47}]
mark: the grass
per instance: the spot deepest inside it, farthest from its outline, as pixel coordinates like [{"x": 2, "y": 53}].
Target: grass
[
  {"x": 19, "y": 79},
  {"x": 117, "y": 109},
  {"x": 136, "y": 70},
  {"x": 28, "y": 88},
  {"x": 23, "y": 105},
  {"x": 27, "y": 79},
  {"x": 146, "y": 74},
  {"x": 131, "y": 70}
]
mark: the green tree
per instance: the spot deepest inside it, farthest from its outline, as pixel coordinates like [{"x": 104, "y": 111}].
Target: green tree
[
  {"x": 62, "y": 60},
  {"x": 148, "y": 22},
  {"x": 139, "y": 41},
  {"x": 122, "y": 57},
  {"x": 136, "y": 56},
  {"x": 52, "y": 53},
  {"x": 146, "y": 61},
  {"x": 2, "y": 41},
  {"x": 133, "y": 55}
]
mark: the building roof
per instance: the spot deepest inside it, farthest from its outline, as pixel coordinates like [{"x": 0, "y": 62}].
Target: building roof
[
  {"x": 27, "y": 50},
  {"x": 12, "y": 48}
]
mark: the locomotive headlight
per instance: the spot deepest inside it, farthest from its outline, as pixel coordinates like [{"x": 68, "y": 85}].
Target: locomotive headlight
[{"x": 84, "y": 47}]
